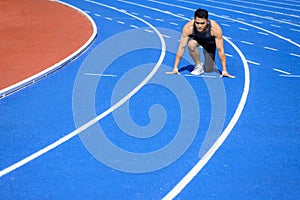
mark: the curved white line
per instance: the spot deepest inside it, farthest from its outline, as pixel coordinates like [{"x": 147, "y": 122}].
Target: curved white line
[
  {"x": 224, "y": 17},
  {"x": 262, "y": 29},
  {"x": 22, "y": 84},
  {"x": 272, "y": 6},
  {"x": 105, "y": 113},
  {"x": 203, "y": 161},
  {"x": 240, "y": 12}
]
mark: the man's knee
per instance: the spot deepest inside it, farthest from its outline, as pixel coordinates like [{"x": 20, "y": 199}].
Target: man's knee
[{"x": 192, "y": 45}]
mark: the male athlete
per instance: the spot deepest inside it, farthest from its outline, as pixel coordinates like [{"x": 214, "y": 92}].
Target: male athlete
[{"x": 206, "y": 33}]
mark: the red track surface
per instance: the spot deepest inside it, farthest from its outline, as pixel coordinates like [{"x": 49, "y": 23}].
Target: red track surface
[{"x": 36, "y": 34}]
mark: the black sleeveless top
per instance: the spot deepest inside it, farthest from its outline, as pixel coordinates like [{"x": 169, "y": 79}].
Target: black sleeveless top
[{"x": 204, "y": 38}]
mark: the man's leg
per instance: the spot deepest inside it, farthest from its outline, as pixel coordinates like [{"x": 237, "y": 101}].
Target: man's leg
[
  {"x": 194, "y": 52},
  {"x": 209, "y": 53}
]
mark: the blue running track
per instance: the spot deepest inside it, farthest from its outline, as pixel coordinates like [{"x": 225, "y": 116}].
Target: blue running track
[{"x": 112, "y": 125}]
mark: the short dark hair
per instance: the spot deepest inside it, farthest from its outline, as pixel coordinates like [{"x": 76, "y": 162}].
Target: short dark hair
[{"x": 201, "y": 13}]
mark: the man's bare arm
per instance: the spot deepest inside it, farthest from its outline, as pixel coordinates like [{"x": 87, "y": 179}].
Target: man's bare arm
[
  {"x": 186, "y": 31},
  {"x": 217, "y": 32}
]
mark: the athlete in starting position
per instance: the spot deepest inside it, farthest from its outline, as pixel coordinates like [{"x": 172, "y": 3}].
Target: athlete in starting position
[{"x": 206, "y": 33}]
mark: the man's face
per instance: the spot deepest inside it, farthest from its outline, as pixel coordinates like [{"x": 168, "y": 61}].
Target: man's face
[{"x": 200, "y": 23}]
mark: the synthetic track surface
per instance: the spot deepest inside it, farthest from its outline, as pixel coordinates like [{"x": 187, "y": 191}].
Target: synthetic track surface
[{"x": 258, "y": 160}]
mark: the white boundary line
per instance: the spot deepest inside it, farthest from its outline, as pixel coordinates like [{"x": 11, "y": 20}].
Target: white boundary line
[
  {"x": 102, "y": 115},
  {"x": 94, "y": 74},
  {"x": 239, "y": 12},
  {"x": 252, "y": 62},
  {"x": 28, "y": 81},
  {"x": 281, "y": 71},
  {"x": 296, "y": 55},
  {"x": 241, "y": 22},
  {"x": 289, "y": 75},
  {"x": 203, "y": 161}
]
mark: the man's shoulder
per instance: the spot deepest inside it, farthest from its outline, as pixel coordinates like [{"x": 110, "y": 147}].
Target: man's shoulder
[
  {"x": 188, "y": 28},
  {"x": 215, "y": 28}
]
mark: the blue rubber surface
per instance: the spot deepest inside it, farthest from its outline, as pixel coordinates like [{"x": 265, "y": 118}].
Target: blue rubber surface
[{"x": 258, "y": 160}]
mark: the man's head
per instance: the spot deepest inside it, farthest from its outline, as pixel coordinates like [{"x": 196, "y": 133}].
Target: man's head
[
  {"x": 201, "y": 19},
  {"x": 201, "y": 13}
]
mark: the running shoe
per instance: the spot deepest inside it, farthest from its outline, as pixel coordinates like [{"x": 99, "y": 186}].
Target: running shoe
[{"x": 198, "y": 70}]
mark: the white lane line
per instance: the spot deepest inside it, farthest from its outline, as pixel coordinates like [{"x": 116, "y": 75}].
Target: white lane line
[
  {"x": 160, "y": 20},
  {"x": 270, "y": 18},
  {"x": 262, "y": 33},
  {"x": 203, "y": 161},
  {"x": 228, "y": 55},
  {"x": 97, "y": 15},
  {"x": 167, "y": 12},
  {"x": 121, "y": 22},
  {"x": 149, "y": 31},
  {"x": 243, "y": 29},
  {"x": 292, "y": 15},
  {"x": 283, "y": 4},
  {"x": 146, "y": 16},
  {"x": 296, "y": 30},
  {"x": 293, "y": 54},
  {"x": 281, "y": 71},
  {"x": 258, "y": 5},
  {"x": 267, "y": 31},
  {"x": 166, "y": 36},
  {"x": 245, "y": 42},
  {"x": 224, "y": 16},
  {"x": 105, "y": 113},
  {"x": 257, "y": 22},
  {"x": 108, "y": 18},
  {"x": 270, "y": 48},
  {"x": 252, "y": 8},
  {"x": 235, "y": 11},
  {"x": 174, "y": 23},
  {"x": 133, "y": 26},
  {"x": 253, "y": 15},
  {"x": 290, "y": 76},
  {"x": 94, "y": 74},
  {"x": 192, "y": 9},
  {"x": 252, "y": 62}
]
